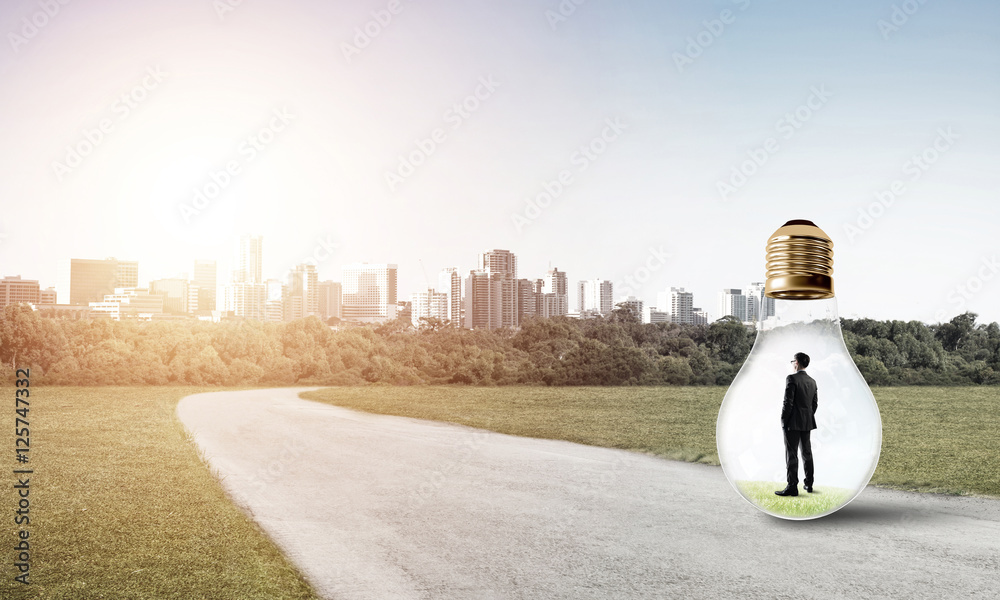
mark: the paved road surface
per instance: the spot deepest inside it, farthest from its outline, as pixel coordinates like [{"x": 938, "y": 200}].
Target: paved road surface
[{"x": 387, "y": 507}]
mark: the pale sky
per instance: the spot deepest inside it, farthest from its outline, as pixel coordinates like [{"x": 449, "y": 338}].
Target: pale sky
[{"x": 670, "y": 97}]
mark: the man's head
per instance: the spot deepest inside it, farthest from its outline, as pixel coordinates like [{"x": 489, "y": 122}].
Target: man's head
[{"x": 801, "y": 361}]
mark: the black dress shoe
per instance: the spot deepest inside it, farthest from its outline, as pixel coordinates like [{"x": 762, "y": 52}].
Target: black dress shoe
[
  {"x": 788, "y": 491},
  {"x": 809, "y": 488}
]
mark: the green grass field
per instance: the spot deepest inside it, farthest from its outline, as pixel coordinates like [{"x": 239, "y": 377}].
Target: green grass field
[
  {"x": 822, "y": 500},
  {"x": 122, "y": 506},
  {"x": 934, "y": 439}
]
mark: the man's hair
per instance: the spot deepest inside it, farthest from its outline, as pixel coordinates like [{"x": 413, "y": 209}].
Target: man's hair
[{"x": 802, "y": 358}]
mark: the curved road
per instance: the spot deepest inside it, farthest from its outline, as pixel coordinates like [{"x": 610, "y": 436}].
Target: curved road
[{"x": 372, "y": 506}]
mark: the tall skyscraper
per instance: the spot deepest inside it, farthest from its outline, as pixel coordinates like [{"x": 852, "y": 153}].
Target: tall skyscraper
[
  {"x": 206, "y": 280},
  {"x": 81, "y": 281},
  {"x": 529, "y": 299},
  {"x": 595, "y": 297},
  {"x": 482, "y": 300},
  {"x": 248, "y": 260},
  {"x": 14, "y": 290},
  {"x": 450, "y": 284},
  {"x": 493, "y": 302},
  {"x": 759, "y": 306},
  {"x": 498, "y": 261},
  {"x": 302, "y": 297},
  {"x": 680, "y": 307},
  {"x": 557, "y": 285},
  {"x": 246, "y": 295},
  {"x": 369, "y": 292},
  {"x": 329, "y": 299},
  {"x": 733, "y": 302}
]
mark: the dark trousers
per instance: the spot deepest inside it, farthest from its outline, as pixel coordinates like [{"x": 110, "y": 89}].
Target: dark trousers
[{"x": 794, "y": 439}]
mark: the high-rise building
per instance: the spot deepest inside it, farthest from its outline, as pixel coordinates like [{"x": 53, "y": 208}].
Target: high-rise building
[
  {"x": 369, "y": 292},
  {"x": 759, "y": 306},
  {"x": 206, "y": 282},
  {"x": 302, "y": 293},
  {"x": 82, "y": 281},
  {"x": 482, "y": 300},
  {"x": 492, "y": 301},
  {"x": 732, "y": 302},
  {"x": 128, "y": 273},
  {"x": 249, "y": 258},
  {"x": 246, "y": 295},
  {"x": 678, "y": 303},
  {"x": 246, "y": 300},
  {"x": 175, "y": 292},
  {"x": 595, "y": 297},
  {"x": 428, "y": 304},
  {"x": 274, "y": 304},
  {"x": 498, "y": 261},
  {"x": 47, "y": 296},
  {"x": 14, "y": 290},
  {"x": 529, "y": 299},
  {"x": 556, "y": 284},
  {"x": 450, "y": 284},
  {"x": 700, "y": 317},
  {"x": 329, "y": 299}
]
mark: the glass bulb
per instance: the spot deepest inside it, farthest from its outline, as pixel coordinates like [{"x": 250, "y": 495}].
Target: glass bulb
[{"x": 847, "y": 440}]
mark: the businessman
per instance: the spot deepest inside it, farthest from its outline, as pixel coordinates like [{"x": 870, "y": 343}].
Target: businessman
[{"x": 798, "y": 419}]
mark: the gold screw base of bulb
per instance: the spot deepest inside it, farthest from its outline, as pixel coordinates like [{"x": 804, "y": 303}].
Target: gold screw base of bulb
[{"x": 799, "y": 262}]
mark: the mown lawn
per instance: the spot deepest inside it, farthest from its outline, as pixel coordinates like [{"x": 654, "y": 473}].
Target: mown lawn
[
  {"x": 934, "y": 439},
  {"x": 123, "y": 507}
]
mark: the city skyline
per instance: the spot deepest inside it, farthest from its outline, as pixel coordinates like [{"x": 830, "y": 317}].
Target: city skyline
[
  {"x": 671, "y": 138},
  {"x": 248, "y": 286}
]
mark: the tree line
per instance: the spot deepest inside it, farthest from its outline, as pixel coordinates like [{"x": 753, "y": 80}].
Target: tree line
[{"x": 614, "y": 350}]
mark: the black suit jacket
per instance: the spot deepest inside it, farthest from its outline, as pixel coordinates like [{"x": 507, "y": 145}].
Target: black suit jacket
[{"x": 798, "y": 412}]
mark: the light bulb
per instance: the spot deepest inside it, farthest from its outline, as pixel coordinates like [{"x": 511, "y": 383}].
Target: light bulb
[{"x": 751, "y": 430}]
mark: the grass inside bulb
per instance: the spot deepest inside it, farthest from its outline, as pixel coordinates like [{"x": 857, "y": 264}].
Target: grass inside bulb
[{"x": 847, "y": 439}]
